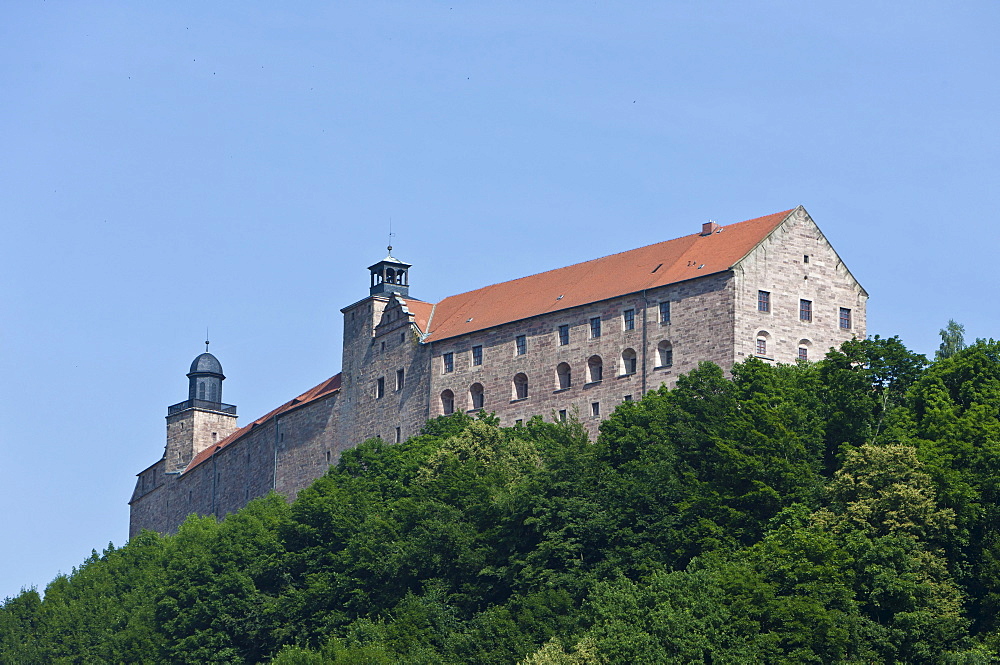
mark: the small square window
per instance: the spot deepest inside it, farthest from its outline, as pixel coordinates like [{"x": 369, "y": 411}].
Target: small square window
[
  {"x": 805, "y": 310},
  {"x": 519, "y": 422},
  {"x": 563, "y": 335},
  {"x": 595, "y": 327},
  {"x": 562, "y": 414},
  {"x": 449, "y": 362},
  {"x": 763, "y": 301},
  {"x": 805, "y": 258},
  {"x": 665, "y": 312},
  {"x": 380, "y": 388},
  {"x": 628, "y": 398},
  {"x": 845, "y": 318},
  {"x": 628, "y": 318},
  {"x": 521, "y": 343},
  {"x": 595, "y": 408},
  {"x": 400, "y": 377},
  {"x": 803, "y": 353},
  {"x": 477, "y": 355}
]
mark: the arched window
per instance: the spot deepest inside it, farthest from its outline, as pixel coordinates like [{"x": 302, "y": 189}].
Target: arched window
[
  {"x": 628, "y": 361},
  {"x": 804, "y": 345},
  {"x": 564, "y": 377},
  {"x": 664, "y": 354},
  {"x": 476, "y": 395},
  {"x": 520, "y": 386},
  {"x": 447, "y": 402},
  {"x": 390, "y": 276},
  {"x": 763, "y": 338},
  {"x": 201, "y": 390},
  {"x": 213, "y": 392},
  {"x": 595, "y": 369}
]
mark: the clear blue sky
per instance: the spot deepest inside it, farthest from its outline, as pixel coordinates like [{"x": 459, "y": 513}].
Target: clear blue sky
[{"x": 171, "y": 166}]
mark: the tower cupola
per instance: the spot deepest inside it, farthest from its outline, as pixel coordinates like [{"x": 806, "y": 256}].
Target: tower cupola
[
  {"x": 205, "y": 379},
  {"x": 390, "y": 275}
]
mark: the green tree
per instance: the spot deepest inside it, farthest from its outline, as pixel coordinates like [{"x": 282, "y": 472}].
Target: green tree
[
  {"x": 952, "y": 340},
  {"x": 863, "y": 384},
  {"x": 954, "y": 421},
  {"x": 706, "y": 465}
]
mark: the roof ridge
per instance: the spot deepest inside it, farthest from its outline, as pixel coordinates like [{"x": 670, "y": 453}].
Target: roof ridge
[{"x": 688, "y": 257}]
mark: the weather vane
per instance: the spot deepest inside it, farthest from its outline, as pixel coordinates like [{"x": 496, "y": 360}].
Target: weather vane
[{"x": 391, "y": 236}]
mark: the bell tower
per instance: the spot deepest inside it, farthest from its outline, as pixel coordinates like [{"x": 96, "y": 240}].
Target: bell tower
[
  {"x": 202, "y": 420},
  {"x": 390, "y": 275}
]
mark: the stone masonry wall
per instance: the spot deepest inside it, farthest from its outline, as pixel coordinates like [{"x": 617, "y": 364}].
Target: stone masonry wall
[
  {"x": 308, "y": 442},
  {"x": 192, "y": 431},
  {"x": 778, "y": 265},
  {"x": 390, "y": 344},
  {"x": 700, "y": 328},
  {"x": 248, "y": 468}
]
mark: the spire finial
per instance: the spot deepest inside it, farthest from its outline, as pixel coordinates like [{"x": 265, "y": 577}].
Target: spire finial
[
  {"x": 391, "y": 236},
  {"x": 206, "y": 339}
]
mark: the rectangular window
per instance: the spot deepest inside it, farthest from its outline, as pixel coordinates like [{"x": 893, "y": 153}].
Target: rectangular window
[
  {"x": 449, "y": 362},
  {"x": 522, "y": 344},
  {"x": 628, "y": 318},
  {"x": 563, "y": 335},
  {"x": 399, "y": 435},
  {"x": 665, "y": 312},
  {"x": 562, "y": 414},
  {"x": 595, "y": 408},
  {"x": 805, "y": 310},
  {"x": 380, "y": 388},
  {"x": 400, "y": 377},
  {"x": 845, "y": 318},
  {"x": 628, "y": 398},
  {"x": 477, "y": 355},
  {"x": 763, "y": 301},
  {"x": 519, "y": 421},
  {"x": 595, "y": 327},
  {"x": 803, "y": 353},
  {"x": 761, "y": 347}
]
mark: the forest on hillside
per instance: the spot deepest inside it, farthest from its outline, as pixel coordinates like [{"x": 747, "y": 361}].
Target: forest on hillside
[{"x": 844, "y": 511}]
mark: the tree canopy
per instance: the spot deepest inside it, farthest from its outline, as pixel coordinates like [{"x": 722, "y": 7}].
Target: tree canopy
[{"x": 844, "y": 511}]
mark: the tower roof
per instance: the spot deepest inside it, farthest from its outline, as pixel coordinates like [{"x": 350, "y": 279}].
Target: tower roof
[{"x": 206, "y": 363}]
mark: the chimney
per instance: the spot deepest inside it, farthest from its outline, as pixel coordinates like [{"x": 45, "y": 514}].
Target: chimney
[{"x": 708, "y": 228}]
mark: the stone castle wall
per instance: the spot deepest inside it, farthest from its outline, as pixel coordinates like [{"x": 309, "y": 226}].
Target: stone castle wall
[
  {"x": 712, "y": 318},
  {"x": 285, "y": 453},
  {"x": 387, "y": 344},
  {"x": 700, "y": 328},
  {"x": 192, "y": 431},
  {"x": 778, "y": 265}
]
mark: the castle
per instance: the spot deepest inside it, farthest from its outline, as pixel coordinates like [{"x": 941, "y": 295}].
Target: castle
[{"x": 578, "y": 340}]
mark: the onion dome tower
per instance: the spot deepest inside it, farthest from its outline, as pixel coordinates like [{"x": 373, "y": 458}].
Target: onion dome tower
[{"x": 202, "y": 419}]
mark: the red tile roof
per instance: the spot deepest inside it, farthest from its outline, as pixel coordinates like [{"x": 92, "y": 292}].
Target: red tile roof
[
  {"x": 648, "y": 267},
  {"x": 421, "y": 312},
  {"x": 331, "y": 385}
]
